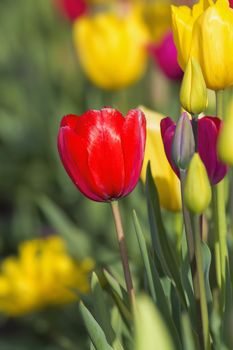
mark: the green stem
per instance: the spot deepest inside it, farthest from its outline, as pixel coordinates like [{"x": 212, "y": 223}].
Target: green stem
[
  {"x": 189, "y": 236},
  {"x": 219, "y": 214},
  {"x": 201, "y": 283},
  {"x": 123, "y": 252}
]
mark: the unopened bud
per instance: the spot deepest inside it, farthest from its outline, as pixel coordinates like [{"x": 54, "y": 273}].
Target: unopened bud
[
  {"x": 197, "y": 189},
  {"x": 193, "y": 92},
  {"x": 183, "y": 145},
  {"x": 225, "y": 139}
]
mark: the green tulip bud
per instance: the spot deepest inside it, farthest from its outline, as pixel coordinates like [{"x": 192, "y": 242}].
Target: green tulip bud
[
  {"x": 197, "y": 190},
  {"x": 193, "y": 92}
]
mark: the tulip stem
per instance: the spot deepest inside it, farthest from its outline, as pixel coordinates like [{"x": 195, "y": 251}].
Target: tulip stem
[
  {"x": 123, "y": 252},
  {"x": 201, "y": 282},
  {"x": 219, "y": 214},
  {"x": 189, "y": 235}
]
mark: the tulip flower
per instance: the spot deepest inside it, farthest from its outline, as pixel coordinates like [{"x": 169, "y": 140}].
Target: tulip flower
[
  {"x": 231, "y": 3},
  {"x": 205, "y": 32},
  {"x": 165, "y": 179},
  {"x": 71, "y": 9},
  {"x": 102, "y": 151},
  {"x": 197, "y": 189},
  {"x": 165, "y": 55},
  {"x": 111, "y": 48},
  {"x": 208, "y": 131}
]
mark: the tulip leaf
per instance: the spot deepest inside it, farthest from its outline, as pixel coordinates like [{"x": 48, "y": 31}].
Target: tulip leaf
[
  {"x": 95, "y": 332},
  {"x": 159, "y": 236},
  {"x": 77, "y": 241},
  {"x": 150, "y": 329},
  {"x": 101, "y": 312},
  {"x": 155, "y": 286},
  {"x": 120, "y": 297},
  {"x": 144, "y": 254},
  {"x": 206, "y": 265},
  {"x": 187, "y": 334}
]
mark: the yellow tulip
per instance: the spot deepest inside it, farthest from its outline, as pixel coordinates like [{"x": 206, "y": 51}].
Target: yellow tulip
[
  {"x": 165, "y": 179},
  {"x": 205, "y": 32},
  {"x": 112, "y": 48},
  {"x": 42, "y": 274}
]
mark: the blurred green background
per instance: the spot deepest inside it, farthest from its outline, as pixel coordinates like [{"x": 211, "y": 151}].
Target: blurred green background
[{"x": 40, "y": 81}]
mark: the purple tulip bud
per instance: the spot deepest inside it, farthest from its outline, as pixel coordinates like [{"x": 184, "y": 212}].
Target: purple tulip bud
[
  {"x": 208, "y": 130},
  {"x": 183, "y": 144}
]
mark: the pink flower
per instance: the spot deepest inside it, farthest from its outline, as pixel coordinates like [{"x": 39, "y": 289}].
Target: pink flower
[
  {"x": 71, "y": 9},
  {"x": 165, "y": 55},
  {"x": 208, "y": 130}
]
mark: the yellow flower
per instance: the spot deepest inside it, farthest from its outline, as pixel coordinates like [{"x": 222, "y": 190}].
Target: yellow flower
[
  {"x": 42, "y": 274},
  {"x": 111, "y": 48},
  {"x": 165, "y": 179},
  {"x": 205, "y": 32}
]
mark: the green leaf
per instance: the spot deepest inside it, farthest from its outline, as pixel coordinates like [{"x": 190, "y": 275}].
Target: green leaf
[
  {"x": 119, "y": 295},
  {"x": 144, "y": 254},
  {"x": 77, "y": 240},
  {"x": 101, "y": 312},
  {"x": 187, "y": 334},
  {"x": 95, "y": 332},
  {"x": 159, "y": 236},
  {"x": 156, "y": 288},
  {"x": 150, "y": 329},
  {"x": 206, "y": 265}
]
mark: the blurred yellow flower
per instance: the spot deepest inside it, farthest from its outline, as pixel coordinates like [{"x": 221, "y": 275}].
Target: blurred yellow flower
[
  {"x": 112, "y": 48},
  {"x": 167, "y": 182},
  {"x": 42, "y": 274},
  {"x": 206, "y": 33}
]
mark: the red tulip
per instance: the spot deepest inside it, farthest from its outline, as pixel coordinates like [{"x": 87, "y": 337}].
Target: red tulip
[
  {"x": 165, "y": 55},
  {"x": 231, "y": 3},
  {"x": 103, "y": 152},
  {"x": 71, "y": 9},
  {"x": 208, "y": 130}
]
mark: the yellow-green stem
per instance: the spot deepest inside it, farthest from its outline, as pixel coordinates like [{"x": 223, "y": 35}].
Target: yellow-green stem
[
  {"x": 205, "y": 339},
  {"x": 220, "y": 219}
]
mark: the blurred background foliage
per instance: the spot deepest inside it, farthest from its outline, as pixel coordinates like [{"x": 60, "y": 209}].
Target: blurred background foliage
[{"x": 41, "y": 81}]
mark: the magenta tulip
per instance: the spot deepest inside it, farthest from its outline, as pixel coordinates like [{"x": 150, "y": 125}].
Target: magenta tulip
[
  {"x": 165, "y": 55},
  {"x": 208, "y": 131}
]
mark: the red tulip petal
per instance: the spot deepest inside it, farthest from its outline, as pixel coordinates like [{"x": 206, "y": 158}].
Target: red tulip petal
[
  {"x": 105, "y": 157},
  {"x": 68, "y": 144},
  {"x": 133, "y": 144}
]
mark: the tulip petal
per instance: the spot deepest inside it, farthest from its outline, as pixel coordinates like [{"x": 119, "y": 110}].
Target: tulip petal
[
  {"x": 208, "y": 129},
  {"x": 133, "y": 145},
  {"x": 105, "y": 156},
  {"x": 167, "y": 131},
  {"x": 77, "y": 170}
]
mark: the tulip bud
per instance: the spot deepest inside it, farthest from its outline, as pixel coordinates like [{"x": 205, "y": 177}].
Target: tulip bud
[
  {"x": 225, "y": 140},
  {"x": 183, "y": 146},
  {"x": 193, "y": 93},
  {"x": 197, "y": 189}
]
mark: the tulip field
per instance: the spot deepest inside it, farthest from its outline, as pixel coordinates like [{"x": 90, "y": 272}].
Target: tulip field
[{"x": 116, "y": 191}]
